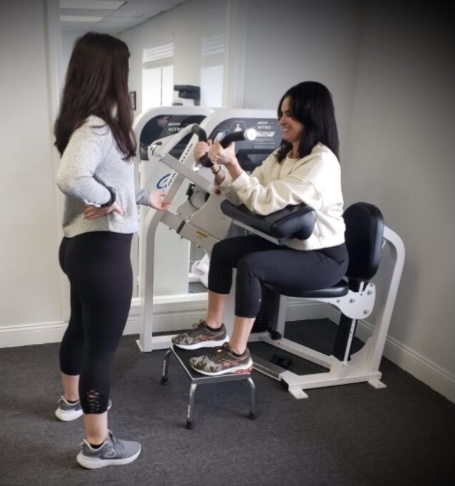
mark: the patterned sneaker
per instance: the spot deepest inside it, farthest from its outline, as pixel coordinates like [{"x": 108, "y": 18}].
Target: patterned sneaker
[
  {"x": 113, "y": 452},
  {"x": 221, "y": 361},
  {"x": 71, "y": 411},
  {"x": 201, "y": 337}
]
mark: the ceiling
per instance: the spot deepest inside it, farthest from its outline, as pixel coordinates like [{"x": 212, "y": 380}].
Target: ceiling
[{"x": 110, "y": 16}]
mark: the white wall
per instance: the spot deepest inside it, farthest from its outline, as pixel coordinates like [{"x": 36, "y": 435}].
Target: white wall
[
  {"x": 30, "y": 280},
  {"x": 391, "y": 70},
  {"x": 400, "y": 157},
  {"x": 288, "y": 42}
]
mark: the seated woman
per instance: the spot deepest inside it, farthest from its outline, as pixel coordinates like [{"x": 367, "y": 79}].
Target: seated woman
[{"x": 304, "y": 169}]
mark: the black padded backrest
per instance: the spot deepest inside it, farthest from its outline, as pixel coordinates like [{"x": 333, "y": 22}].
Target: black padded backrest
[{"x": 364, "y": 232}]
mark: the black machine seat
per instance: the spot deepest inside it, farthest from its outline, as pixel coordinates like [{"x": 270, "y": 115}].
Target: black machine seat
[
  {"x": 364, "y": 232},
  {"x": 338, "y": 290}
]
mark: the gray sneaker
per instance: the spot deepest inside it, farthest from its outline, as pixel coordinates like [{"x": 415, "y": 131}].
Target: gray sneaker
[
  {"x": 220, "y": 361},
  {"x": 71, "y": 411},
  {"x": 113, "y": 452},
  {"x": 201, "y": 337}
]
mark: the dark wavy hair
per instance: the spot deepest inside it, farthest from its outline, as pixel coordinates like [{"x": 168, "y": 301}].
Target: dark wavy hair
[
  {"x": 97, "y": 84},
  {"x": 311, "y": 104}
]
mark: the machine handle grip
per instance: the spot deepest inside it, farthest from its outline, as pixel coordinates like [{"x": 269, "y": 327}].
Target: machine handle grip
[
  {"x": 248, "y": 134},
  {"x": 200, "y": 132}
]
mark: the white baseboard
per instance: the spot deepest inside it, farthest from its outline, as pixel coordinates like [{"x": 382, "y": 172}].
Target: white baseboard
[
  {"x": 30, "y": 334},
  {"x": 415, "y": 364},
  {"x": 171, "y": 315},
  {"x": 407, "y": 359}
]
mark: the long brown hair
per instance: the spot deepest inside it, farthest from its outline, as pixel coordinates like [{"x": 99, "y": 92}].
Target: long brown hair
[{"x": 97, "y": 84}]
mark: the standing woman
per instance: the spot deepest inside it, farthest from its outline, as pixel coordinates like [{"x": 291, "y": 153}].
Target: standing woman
[{"x": 94, "y": 136}]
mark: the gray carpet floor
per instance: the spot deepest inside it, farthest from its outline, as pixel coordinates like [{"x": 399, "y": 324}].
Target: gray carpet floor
[{"x": 350, "y": 435}]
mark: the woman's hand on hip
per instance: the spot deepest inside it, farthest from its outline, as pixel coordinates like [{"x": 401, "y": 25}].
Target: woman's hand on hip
[{"x": 92, "y": 212}]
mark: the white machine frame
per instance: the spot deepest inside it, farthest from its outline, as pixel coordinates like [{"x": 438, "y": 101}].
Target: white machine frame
[
  {"x": 207, "y": 224},
  {"x": 362, "y": 366},
  {"x": 203, "y": 224},
  {"x": 173, "y": 252}
]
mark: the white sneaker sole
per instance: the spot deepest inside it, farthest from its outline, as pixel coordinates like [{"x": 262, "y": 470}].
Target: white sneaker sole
[
  {"x": 68, "y": 416},
  {"x": 95, "y": 463}
]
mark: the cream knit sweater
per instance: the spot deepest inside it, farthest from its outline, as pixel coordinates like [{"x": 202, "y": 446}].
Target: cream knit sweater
[{"x": 314, "y": 180}]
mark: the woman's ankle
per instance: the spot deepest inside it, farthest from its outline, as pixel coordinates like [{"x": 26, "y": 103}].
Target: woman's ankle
[
  {"x": 213, "y": 326},
  {"x": 236, "y": 350}
]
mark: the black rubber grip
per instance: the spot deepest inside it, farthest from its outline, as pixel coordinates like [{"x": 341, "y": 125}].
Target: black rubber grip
[{"x": 248, "y": 134}]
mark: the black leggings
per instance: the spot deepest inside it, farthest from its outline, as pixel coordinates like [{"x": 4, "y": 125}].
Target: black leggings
[
  {"x": 98, "y": 266},
  {"x": 258, "y": 260}
]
